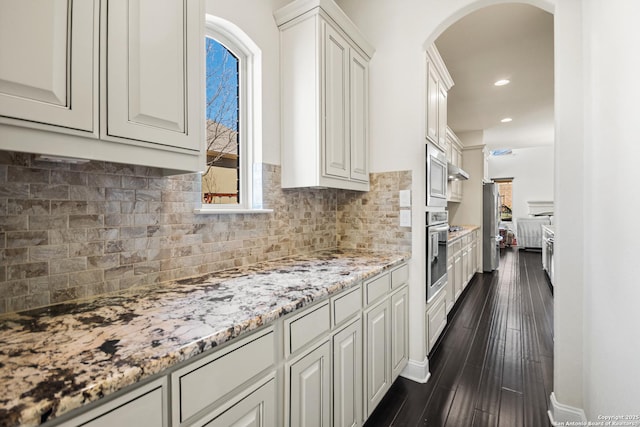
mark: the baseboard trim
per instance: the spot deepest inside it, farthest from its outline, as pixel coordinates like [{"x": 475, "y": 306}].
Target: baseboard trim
[
  {"x": 560, "y": 414},
  {"x": 417, "y": 371}
]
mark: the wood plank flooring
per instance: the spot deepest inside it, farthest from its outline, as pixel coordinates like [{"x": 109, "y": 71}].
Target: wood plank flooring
[{"x": 493, "y": 365}]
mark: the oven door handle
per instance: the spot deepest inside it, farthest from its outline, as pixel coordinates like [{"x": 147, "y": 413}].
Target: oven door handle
[
  {"x": 439, "y": 228},
  {"x": 434, "y": 247}
]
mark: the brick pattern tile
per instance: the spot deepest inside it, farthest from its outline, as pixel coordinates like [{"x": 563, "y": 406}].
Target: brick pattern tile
[{"x": 74, "y": 231}]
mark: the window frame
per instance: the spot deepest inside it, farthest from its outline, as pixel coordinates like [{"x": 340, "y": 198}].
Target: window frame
[{"x": 249, "y": 116}]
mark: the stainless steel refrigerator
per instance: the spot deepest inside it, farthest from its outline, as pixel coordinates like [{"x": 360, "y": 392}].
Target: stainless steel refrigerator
[{"x": 490, "y": 223}]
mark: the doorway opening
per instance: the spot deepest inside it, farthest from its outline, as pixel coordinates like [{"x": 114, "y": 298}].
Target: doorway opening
[{"x": 505, "y": 190}]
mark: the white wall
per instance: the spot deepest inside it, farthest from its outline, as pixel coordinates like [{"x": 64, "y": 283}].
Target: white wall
[
  {"x": 255, "y": 18},
  {"x": 612, "y": 293},
  {"x": 532, "y": 173}
]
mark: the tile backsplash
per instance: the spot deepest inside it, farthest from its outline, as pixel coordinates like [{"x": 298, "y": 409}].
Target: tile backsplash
[{"x": 72, "y": 231}]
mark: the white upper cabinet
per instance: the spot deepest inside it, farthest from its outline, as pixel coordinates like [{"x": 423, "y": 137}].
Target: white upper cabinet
[
  {"x": 325, "y": 97},
  {"x": 119, "y": 81},
  {"x": 48, "y": 61},
  {"x": 432, "y": 104},
  {"x": 359, "y": 118},
  {"x": 152, "y": 71},
  {"x": 454, "y": 147},
  {"x": 337, "y": 155},
  {"x": 439, "y": 82}
]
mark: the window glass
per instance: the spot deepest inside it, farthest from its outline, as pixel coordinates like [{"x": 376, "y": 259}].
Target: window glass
[
  {"x": 505, "y": 189},
  {"x": 221, "y": 182}
]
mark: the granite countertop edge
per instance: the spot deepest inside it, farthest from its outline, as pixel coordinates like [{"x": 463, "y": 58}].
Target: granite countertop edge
[
  {"x": 99, "y": 362},
  {"x": 466, "y": 229}
]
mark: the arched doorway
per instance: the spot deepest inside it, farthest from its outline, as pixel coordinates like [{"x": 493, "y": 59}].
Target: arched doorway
[{"x": 401, "y": 31}]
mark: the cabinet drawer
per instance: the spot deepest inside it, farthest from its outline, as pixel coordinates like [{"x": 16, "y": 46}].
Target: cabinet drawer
[
  {"x": 466, "y": 239},
  {"x": 399, "y": 276},
  {"x": 377, "y": 288},
  {"x": 202, "y": 385},
  {"x": 144, "y": 406},
  {"x": 306, "y": 327},
  {"x": 455, "y": 246},
  {"x": 346, "y": 305}
]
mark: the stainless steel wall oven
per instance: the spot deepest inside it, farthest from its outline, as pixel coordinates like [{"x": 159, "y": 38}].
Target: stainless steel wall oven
[{"x": 437, "y": 236}]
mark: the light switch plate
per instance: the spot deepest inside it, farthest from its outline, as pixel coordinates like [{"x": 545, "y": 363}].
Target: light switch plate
[
  {"x": 405, "y": 218},
  {"x": 405, "y": 198}
]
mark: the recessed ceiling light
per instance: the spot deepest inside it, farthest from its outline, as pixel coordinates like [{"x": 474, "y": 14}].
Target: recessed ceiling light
[
  {"x": 506, "y": 120},
  {"x": 502, "y": 82}
]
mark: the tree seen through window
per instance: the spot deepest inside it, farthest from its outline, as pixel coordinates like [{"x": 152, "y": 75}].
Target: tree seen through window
[{"x": 221, "y": 180}]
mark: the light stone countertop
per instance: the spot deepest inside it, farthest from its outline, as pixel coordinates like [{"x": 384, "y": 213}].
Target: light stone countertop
[
  {"x": 58, "y": 358},
  {"x": 466, "y": 229}
]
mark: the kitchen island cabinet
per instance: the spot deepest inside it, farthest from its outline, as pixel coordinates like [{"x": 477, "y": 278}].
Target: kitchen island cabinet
[
  {"x": 217, "y": 345},
  {"x": 111, "y": 81}
]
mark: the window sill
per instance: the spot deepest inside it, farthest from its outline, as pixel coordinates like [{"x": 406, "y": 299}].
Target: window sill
[{"x": 218, "y": 211}]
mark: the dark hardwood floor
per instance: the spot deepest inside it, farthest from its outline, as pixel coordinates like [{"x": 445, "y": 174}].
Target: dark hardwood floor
[{"x": 493, "y": 365}]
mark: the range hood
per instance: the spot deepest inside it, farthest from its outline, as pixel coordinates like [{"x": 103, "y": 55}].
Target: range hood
[{"x": 455, "y": 173}]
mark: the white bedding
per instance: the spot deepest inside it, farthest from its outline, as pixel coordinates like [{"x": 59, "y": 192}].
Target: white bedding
[{"x": 529, "y": 231}]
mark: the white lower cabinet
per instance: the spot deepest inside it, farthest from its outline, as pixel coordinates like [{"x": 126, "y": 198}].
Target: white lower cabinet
[
  {"x": 145, "y": 406},
  {"x": 386, "y": 339},
  {"x": 258, "y": 409},
  {"x": 462, "y": 264},
  {"x": 347, "y": 376},
  {"x": 399, "y": 331},
  {"x": 200, "y": 387},
  {"x": 451, "y": 299},
  {"x": 377, "y": 354},
  {"x": 328, "y": 365},
  {"x": 436, "y": 319},
  {"x": 308, "y": 381},
  {"x": 458, "y": 272}
]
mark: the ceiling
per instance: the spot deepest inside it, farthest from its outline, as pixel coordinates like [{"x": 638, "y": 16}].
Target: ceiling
[{"x": 507, "y": 41}]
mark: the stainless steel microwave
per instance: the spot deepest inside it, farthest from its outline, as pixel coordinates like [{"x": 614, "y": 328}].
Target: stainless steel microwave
[{"x": 436, "y": 177}]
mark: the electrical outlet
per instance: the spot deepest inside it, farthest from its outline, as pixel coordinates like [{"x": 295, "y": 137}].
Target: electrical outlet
[
  {"x": 405, "y": 198},
  {"x": 405, "y": 218}
]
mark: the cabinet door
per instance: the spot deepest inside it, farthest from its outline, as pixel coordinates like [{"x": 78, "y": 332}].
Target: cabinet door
[
  {"x": 436, "y": 320},
  {"x": 309, "y": 385},
  {"x": 154, "y": 56},
  {"x": 359, "y": 117},
  {"x": 451, "y": 296},
  {"x": 255, "y": 410},
  {"x": 48, "y": 54},
  {"x": 472, "y": 259},
  {"x": 336, "y": 104},
  {"x": 432, "y": 104},
  {"x": 457, "y": 274},
  {"x": 442, "y": 115},
  {"x": 466, "y": 265},
  {"x": 399, "y": 332},
  {"x": 347, "y": 376},
  {"x": 377, "y": 359}
]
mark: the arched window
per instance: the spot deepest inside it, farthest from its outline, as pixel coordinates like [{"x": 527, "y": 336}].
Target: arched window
[{"x": 232, "y": 126}]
